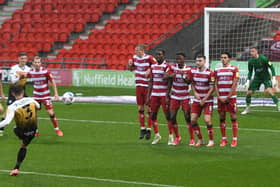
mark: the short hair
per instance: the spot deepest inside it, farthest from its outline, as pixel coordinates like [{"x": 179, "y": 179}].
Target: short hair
[
  {"x": 226, "y": 53},
  {"x": 181, "y": 54},
  {"x": 17, "y": 90},
  {"x": 201, "y": 56},
  {"x": 37, "y": 57},
  {"x": 22, "y": 54},
  {"x": 161, "y": 50},
  {"x": 254, "y": 47},
  {"x": 141, "y": 46}
]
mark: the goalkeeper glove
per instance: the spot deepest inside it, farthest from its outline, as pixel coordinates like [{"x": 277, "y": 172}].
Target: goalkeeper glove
[
  {"x": 274, "y": 82},
  {"x": 246, "y": 85}
]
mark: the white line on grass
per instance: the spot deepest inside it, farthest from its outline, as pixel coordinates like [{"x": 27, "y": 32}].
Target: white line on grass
[
  {"x": 92, "y": 178},
  {"x": 130, "y": 123}
]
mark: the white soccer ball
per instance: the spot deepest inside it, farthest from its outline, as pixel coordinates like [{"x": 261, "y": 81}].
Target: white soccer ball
[{"x": 68, "y": 98}]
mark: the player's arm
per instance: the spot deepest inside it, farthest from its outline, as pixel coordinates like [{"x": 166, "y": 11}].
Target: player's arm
[
  {"x": 211, "y": 89},
  {"x": 1, "y": 90},
  {"x": 130, "y": 65},
  {"x": 9, "y": 117},
  {"x": 150, "y": 86},
  {"x": 186, "y": 77},
  {"x": 216, "y": 86},
  {"x": 234, "y": 84},
  {"x": 14, "y": 77},
  {"x": 51, "y": 79},
  {"x": 195, "y": 93},
  {"x": 273, "y": 77}
]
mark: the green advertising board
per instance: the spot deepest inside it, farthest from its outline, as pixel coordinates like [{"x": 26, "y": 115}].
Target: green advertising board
[{"x": 103, "y": 78}]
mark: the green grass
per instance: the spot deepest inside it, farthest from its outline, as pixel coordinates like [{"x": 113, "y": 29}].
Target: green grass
[{"x": 101, "y": 141}]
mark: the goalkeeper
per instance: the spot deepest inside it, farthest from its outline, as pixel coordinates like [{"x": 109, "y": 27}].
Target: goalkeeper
[{"x": 261, "y": 65}]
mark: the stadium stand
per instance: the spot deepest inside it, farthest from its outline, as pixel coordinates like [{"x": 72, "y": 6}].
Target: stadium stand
[
  {"x": 149, "y": 21},
  {"x": 40, "y": 23}
]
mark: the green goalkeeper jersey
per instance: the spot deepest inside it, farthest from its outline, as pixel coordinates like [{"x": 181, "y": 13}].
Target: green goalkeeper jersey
[{"x": 260, "y": 66}]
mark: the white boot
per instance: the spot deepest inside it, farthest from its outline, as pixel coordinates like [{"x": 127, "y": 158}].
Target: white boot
[{"x": 246, "y": 111}]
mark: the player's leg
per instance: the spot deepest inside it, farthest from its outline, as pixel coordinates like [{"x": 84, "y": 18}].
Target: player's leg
[
  {"x": 234, "y": 123},
  {"x": 173, "y": 110},
  {"x": 10, "y": 100},
  {"x": 273, "y": 96},
  {"x": 207, "y": 119},
  {"x": 155, "y": 104},
  {"x": 195, "y": 113},
  {"x": 141, "y": 119},
  {"x": 248, "y": 102},
  {"x": 26, "y": 137},
  {"x": 187, "y": 115},
  {"x": 150, "y": 124},
  {"x": 1, "y": 111},
  {"x": 222, "y": 116},
  {"x": 141, "y": 115},
  {"x": 254, "y": 85},
  {"x": 49, "y": 108},
  {"x": 165, "y": 108}
]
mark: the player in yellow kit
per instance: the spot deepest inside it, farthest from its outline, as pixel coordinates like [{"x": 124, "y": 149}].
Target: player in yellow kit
[{"x": 24, "y": 111}]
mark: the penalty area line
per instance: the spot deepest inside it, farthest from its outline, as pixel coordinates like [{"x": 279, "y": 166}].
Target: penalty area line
[
  {"x": 131, "y": 123},
  {"x": 91, "y": 178}
]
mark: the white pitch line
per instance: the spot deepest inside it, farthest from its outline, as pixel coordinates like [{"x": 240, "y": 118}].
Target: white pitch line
[
  {"x": 129, "y": 123},
  {"x": 92, "y": 178}
]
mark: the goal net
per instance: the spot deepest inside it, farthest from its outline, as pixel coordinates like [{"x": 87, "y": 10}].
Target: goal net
[{"x": 237, "y": 29}]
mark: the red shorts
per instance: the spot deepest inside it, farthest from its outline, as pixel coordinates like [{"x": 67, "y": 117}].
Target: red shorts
[
  {"x": 47, "y": 103},
  {"x": 230, "y": 106},
  {"x": 156, "y": 102},
  {"x": 141, "y": 95},
  {"x": 175, "y": 104},
  {"x": 197, "y": 109}
]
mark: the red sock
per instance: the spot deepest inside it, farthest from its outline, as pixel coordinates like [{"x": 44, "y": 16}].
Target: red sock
[
  {"x": 210, "y": 132},
  {"x": 176, "y": 130},
  {"x": 54, "y": 121},
  {"x": 150, "y": 123},
  {"x": 196, "y": 130},
  {"x": 235, "y": 128},
  {"x": 155, "y": 125},
  {"x": 190, "y": 129},
  {"x": 170, "y": 127},
  {"x": 141, "y": 118},
  {"x": 223, "y": 128}
]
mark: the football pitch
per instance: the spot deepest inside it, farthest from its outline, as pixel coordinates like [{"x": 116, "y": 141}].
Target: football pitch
[{"x": 101, "y": 148}]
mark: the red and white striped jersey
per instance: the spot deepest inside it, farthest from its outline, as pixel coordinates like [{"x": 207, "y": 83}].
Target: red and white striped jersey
[
  {"x": 224, "y": 77},
  {"x": 159, "y": 83},
  {"x": 180, "y": 89},
  {"x": 202, "y": 80},
  {"x": 40, "y": 79},
  {"x": 141, "y": 65}
]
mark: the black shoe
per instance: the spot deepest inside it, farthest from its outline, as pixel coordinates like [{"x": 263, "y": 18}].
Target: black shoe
[
  {"x": 148, "y": 134},
  {"x": 142, "y": 133}
]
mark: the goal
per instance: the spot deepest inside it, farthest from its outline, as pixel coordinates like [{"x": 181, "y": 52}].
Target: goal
[{"x": 237, "y": 29}]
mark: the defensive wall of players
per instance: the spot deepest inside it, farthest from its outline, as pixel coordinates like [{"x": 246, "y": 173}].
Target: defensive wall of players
[{"x": 124, "y": 79}]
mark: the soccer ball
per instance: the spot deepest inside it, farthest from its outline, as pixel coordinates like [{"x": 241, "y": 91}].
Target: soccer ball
[{"x": 68, "y": 98}]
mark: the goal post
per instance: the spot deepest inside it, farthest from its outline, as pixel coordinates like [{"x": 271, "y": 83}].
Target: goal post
[{"x": 237, "y": 29}]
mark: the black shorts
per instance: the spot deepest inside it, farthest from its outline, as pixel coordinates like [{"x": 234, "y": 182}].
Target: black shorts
[{"x": 26, "y": 135}]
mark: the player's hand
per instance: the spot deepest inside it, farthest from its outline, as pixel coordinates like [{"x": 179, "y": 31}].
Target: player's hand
[
  {"x": 247, "y": 84},
  {"x": 202, "y": 102},
  {"x": 130, "y": 62},
  {"x": 274, "y": 82},
  {"x": 3, "y": 97},
  {"x": 148, "y": 73},
  {"x": 197, "y": 96}
]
